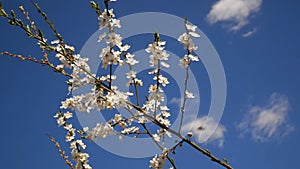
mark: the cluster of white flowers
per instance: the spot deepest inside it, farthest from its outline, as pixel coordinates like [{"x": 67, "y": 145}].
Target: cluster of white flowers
[
  {"x": 83, "y": 103},
  {"x": 158, "y": 54},
  {"x": 80, "y": 158},
  {"x": 162, "y": 117},
  {"x": 130, "y": 58},
  {"x": 107, "y": 20},
  {"x": 99, "y": 130},
  {"x": 77, "y": 146},
  {"x": 158, "y": 161},
  {"x": 81, "y": 73},
  {"x": 158, "y": 57},
  {"x": 161, "y": 79},
  {"x": 110, "y": 97},
  {"x": 188, "y": 44},
  {"x": 110, "y": 57},
  {"x": 130, "y": 130},
  {"x": 116, "y": 98},
  {"x": 62, "y": 117},
  {"x": 133, "y": 80},
  {"x": 60, "y": 49},
  {"x": 187, "y": 41}
]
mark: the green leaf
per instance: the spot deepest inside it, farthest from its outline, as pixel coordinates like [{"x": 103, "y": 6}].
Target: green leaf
[
  {"x": 19, "y": 22},
  {"x": 13, "y": 14},
  {"x": 28, "y": 29},
  {"x": 49, "y": 48},
  {"x": 29, "y": 33},
  {"x": 225, "y": 160},
  {"x": 12, "y": 22},
  {"x": 156, "y": 37},
  {"x": 40, "y": 33},
  {"x": 93, "y": 4},
  {"x": 3, "y": 13},
  {"x": 69, "y": 83}
]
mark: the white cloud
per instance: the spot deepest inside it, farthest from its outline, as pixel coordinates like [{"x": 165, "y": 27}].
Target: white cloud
[
  {"x": 269, "y": 121},
  {"x": 249, "y": 33},
  {"x": 177, "y": 101},
  {"x": 206, "y": 130},
  {"x": 236, "y": 11}
]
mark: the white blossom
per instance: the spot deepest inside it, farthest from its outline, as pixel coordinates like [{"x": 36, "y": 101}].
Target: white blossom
[
  {"x": 55, "y": 42},
  {"x": 184, "y": 62},
  {"x": 102, "y": 36},
  {"x": 186, "y": 38},
  {"x": 100, "y": 131},
  {"x": 165, "y": 64},
  {"x": 131, "y": 74},
  {"x": 157, "y": 53},
  {"x": 162, "y": 80},
  {"x": 60, "y": 121},
  {"x": 105, "y": 18},
  {"x": 124, "y": 48},
  {"x": 70, "y": 48},
  {"x": 62, "y": 117},
  {"x": 189, "y": 95},
  {"x": 85, "y": 129},
  {"x": 87, "y": 166},
  {"x": 130, "y": 130},
  {"x": 116, "y": 98},
  {"x": 79, "y": 156},
  {"x": 190, "y": 27},
  {"x": 68, "y": 126},
  {"x": 158, "y": 162},
  {"x": 165, "y": 114},
  {"x": 77, "y": 142},
  {"x": 68, "y": 115},
  {"x": 84, "y": 103},
  {"x": 70, "y": 135},
  {"x": 63, "y": 60},
  {"x": 194, "y": 34},
  {"x": 163, "y": 120},
  {"x": 187, "y": 42},
  {"x": 193, "y": 58},
  {"x": 59, "y": 67},
  {"x": 138, "y": 82},
  {"x": 114, "y": 39},
  {"x": 130, "y": 59},
  {"x": 156, "y": 137}
]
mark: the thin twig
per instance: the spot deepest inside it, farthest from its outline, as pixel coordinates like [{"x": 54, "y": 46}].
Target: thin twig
[
  {"x": 110, "y": 76},
  {"x": 188, "y": 141},
  {"x": 148, "y": 132},
  {"x": 182, "y": 109},
  {"x": 32, "y": 59},
  {"x": 157, "y": 88},
  {"x": 61, "y": 152},
  {"x": 40, "y": 11}
]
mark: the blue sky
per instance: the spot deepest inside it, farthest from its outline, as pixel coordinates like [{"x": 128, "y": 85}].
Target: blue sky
[{"x": 257, "y": 42}]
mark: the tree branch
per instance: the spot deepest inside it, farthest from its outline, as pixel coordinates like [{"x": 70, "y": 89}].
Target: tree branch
[{"x": 61, "y": 152}]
